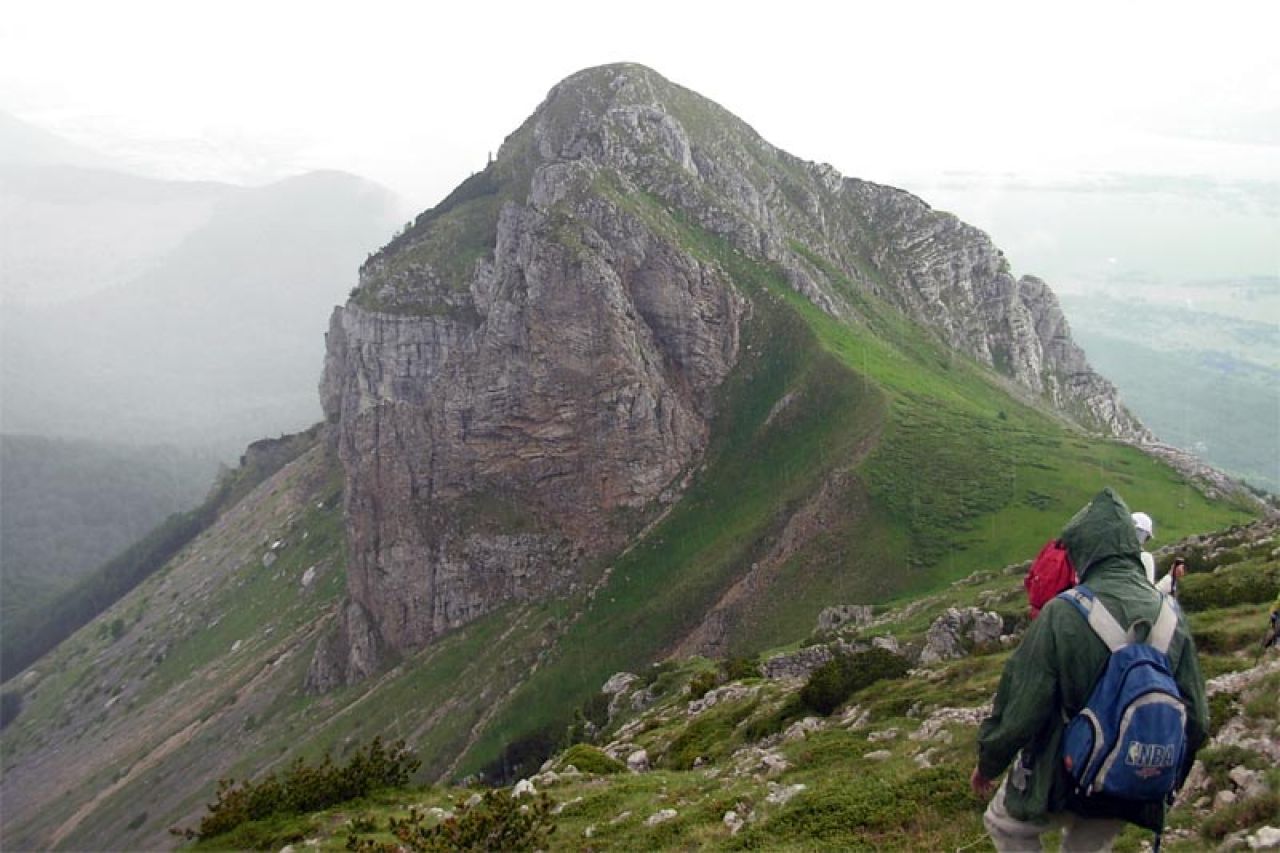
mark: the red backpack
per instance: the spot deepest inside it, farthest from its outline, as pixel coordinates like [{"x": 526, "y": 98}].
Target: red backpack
[{"x": 1051, "y": 573}]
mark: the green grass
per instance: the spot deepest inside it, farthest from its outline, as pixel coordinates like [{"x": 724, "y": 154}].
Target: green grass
[{"x": 266, "y": 595}]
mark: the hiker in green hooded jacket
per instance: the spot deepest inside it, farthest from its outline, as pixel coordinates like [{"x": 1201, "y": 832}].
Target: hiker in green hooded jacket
[{"x": 1048, "y": 680}]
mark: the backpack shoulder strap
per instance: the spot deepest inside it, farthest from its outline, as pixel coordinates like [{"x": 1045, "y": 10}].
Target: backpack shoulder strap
[
  {"x": 1098, "y": 617},
  {"x": 1162, "y": 632}
]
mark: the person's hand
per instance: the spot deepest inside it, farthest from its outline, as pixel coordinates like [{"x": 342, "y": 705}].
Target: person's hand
[{"x": 981, "y": 785}]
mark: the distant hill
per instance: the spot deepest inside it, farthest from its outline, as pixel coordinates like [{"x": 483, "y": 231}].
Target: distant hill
[
  {"x": 214, "y": 344},
  {"x": 72, "y": 231}
]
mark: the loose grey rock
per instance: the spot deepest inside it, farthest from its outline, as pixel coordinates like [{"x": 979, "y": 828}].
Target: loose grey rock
[
  {"x": 732, "y": 822},
  {"x": 560, "y": 807},
  {"x": 888, "y": 642},
  {"x": 661, "y": 817},
  {"x": 619, "y": 682},
  {"x": 878, "y": 755},
  {"x": 800, "y": 729},
  {"x": 779, "y": 794},
  {"x": 638, "y": 761},
  {"x": 1266, "y": 838},
  {"x": 727, "y": 693},
  {"x": 797, "y": 664},
  {"x": 957, "y": 630},
  {"x": 546, "y": 779},
  {"x": 856, "y": 615}
]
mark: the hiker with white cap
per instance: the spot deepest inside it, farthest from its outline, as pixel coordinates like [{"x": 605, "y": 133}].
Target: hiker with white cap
[{"x": 1146, "y": 529}]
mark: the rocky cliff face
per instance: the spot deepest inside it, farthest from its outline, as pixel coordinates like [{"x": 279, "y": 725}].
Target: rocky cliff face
[{"x": 531, "y": 366}]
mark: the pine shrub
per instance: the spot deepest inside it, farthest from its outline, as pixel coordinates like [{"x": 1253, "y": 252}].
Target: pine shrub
[{"x": 305, "y": 788}]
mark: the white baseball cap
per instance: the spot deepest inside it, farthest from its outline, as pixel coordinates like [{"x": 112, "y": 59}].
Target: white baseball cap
[{"x": 1143, "y": 523}]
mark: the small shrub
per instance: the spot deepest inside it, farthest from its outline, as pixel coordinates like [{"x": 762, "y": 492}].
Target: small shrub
[
  {"x": 738, "y": 669},
  {"x": 589, "y": 759},
  {"x": 1244, "y": 584},
  {"x": 834, "y": 682},
  {"x": 498, "y": 822},
  {"x": 762, "y": 727},
  {"x": 1259, "y": 700},
  {"x": 364, "y": 823},
  {"x": 701, "y": 684},
  {"x": 1222, "y": 707},
  {"x": 651, "y": 675}
]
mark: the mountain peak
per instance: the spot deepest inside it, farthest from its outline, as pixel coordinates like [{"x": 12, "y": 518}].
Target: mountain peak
[{"x": 538, "y": 357}]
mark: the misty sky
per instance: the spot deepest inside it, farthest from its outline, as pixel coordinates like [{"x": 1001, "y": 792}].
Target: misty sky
[{"x": 415, "y": 95}]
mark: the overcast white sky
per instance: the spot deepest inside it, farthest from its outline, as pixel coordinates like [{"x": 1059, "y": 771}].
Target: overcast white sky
[{"x": 415, "y": 95}]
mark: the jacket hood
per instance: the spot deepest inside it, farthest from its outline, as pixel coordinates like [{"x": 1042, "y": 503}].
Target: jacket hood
[{"x": 1103, "y": 529}]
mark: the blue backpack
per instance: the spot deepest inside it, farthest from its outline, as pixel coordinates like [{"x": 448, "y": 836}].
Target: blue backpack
[{"x": 1130, "y": 738}]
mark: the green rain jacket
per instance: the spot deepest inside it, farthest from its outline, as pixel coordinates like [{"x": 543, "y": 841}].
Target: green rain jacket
[{"x": 1049, "y": 677}]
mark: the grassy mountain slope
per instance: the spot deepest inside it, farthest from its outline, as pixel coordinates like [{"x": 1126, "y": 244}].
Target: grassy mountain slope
[
  {"x": 963, "y": 477},
  {"x": 887, "y": 770}
]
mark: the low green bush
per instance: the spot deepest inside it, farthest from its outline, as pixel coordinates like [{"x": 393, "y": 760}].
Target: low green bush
[
  {"x": 831, "y": 685},
  {"x": 701, "y": 684},
  {"x": 1247, "y": 583},
  {"x": 306, "y": 788},
  {"x": 589, "y": 759},
  {"x": 738, "y": 669}
]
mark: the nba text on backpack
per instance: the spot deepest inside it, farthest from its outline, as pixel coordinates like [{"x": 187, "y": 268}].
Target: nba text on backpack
[
  {"x": 1051, "y": 573},
  {"x": 1130, "y": 739}
]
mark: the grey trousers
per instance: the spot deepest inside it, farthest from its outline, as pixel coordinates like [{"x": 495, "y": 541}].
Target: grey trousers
[{"x": 1079, "y": 834}]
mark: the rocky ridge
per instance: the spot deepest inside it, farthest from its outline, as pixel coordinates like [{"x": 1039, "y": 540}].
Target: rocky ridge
[{"x": 531, "y": 366}]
